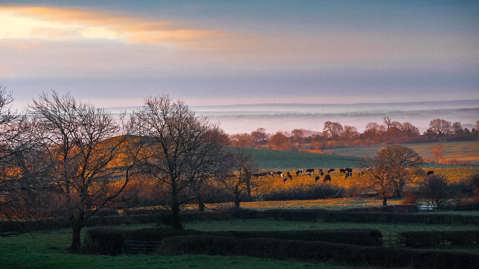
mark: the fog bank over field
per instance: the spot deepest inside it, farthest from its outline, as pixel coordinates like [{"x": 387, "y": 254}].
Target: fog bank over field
[{"x": 286, "y": 117}]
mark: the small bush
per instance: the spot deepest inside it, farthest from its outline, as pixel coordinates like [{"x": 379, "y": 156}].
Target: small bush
[
  {"x": 365, "y": 237},
  {"x": 112, "y": 242},
  {"x": 103, "y": 241},
  {"x": 422, "y": 239}
]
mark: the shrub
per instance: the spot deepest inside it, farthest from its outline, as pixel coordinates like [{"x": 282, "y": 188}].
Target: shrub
[
  {"x": 435, "y": 189},
  {"x": 104, "y": 241},
  {"x": 317, "y": 251},
  {"x": 422, "y": 239},
  {"x": 365, "y": 237},
  {"x": 113, "y": 242}
]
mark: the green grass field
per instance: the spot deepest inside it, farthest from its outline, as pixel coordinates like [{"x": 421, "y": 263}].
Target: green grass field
[
  {"x": 272, "y": 159},
  {"x": 463, "y": 151},
  {"x": 284, "y": 225},
  {"x": 46, "y": 249}
]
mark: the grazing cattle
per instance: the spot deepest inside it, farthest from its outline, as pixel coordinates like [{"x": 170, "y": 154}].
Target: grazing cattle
[
  {"x": 327, "y": 178},
  {"x": 299, "y": 172},
  {"x": 342, "y": 171},
  {"x": 310, "y": 170},
  {"x": 330, "y": 170},
  {"x": 317, "y": 178},
  {"x": 321, "y": 173},
  {"x": 348, "y": 172},
  {"x": 430, "y": 172}
]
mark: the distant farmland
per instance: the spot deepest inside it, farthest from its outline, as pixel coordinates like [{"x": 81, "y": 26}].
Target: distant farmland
[
  {"x": 271, "y": 159},
  {"x": 459, "y": 152},
  {"x": 454, "y": 152}
]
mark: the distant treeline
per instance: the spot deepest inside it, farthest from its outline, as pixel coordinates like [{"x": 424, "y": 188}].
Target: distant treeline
[{"x": 334, "y": 134}]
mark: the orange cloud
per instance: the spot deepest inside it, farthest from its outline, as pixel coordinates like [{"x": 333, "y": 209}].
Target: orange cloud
[{"x": 52, "y": 23}]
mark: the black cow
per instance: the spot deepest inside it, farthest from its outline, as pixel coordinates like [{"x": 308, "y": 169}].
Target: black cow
[
  {"x": 299, "y": 172},
  {"x": 327, "y": 178},
  {"x": 430, "y": 172},
  {"x": 330, "y": 170},
  {"x": 317, "y": 178}
]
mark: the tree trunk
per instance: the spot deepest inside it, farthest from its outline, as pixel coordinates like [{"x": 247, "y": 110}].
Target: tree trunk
[
  {"x": 237, "y": 201},
  {"x": 201, "y": 205},
  {"x": 385, "y": 201},
  {"x": 248, "y": 188},
  {"x": 77, "y": 225},
  {"x": 175, "y": 220},
  {"x": 175, "y": 216}
]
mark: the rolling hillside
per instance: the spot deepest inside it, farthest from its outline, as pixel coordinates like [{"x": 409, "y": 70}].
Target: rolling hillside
[
  {"x": 463, "y": 151},
  {"x": 269, "y": 159}
]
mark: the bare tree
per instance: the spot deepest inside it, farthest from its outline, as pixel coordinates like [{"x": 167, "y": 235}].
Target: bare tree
[
  {"x": 259, "y": 137},
  {"x": 390, "y": 170},
  {"x": 279, "y": 141},
  {"x": 177, "y": 152},
  {"x": 92, "y": 159},
  {"x": 435, "y": 189},
  {"x": 439, "y": 127},
  {"x": 332, "y": 129},
  {"x": 207, "y": 164},
  {"x": 237, "y": 176},
  {"x": 20, "y": 160}
]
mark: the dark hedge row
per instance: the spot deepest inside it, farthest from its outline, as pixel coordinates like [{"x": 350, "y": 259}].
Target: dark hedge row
[
  {"x": 316, "y": 251},
  {"x": 365, "y": 237},
  {"x": 360, "y": 216},
  {"x": 285, "y": 214},
  {"x": 423, "y": 239},
  {"x": 113, "y": 242}
]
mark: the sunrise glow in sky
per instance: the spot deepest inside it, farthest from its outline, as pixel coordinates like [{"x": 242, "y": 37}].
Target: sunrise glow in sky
[{"x": 115, "y": 53}]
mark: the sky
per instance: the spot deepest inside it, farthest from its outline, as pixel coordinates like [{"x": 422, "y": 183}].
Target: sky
[{"x": 116, "y": 53}]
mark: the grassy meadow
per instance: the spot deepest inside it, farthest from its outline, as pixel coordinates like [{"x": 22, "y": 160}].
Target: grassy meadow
[
  {"x": 46, "y": 249},
  {"x": 454, "y": 152},
  {"x": 274, "y": 159},
  {"x": 462, "y": 152},
  {"x": 275, "y": 184}
]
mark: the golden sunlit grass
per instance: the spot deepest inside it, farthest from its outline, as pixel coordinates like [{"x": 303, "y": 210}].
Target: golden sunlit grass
[
  {"x": 270, "y": 184},
  {"x": 332, "y": 203}
]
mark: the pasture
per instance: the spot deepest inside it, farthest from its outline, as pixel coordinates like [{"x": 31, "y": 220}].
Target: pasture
[
  {"x": 274, "y": 159},
  {"x": 302, "y": 186},
  {"x": 454, "y": 152},
  {"x": 46, "y": 249},
  {"x": 462, "y": 152}
]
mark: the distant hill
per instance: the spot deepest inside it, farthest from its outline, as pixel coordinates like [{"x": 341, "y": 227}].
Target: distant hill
[
  {"x": 272, "y": 159},
  {"x": 454, "y": 152}
]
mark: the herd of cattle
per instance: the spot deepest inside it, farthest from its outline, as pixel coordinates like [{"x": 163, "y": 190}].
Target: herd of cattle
[{"x": 316, "y": 173}]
